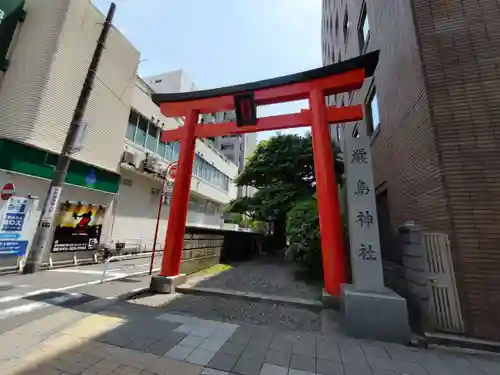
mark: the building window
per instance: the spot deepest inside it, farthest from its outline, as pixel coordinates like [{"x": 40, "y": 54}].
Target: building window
[
  {"x": 363, "y": 30},
  {"x": 176, "y": 149},
  {"x": 373, "y": 113},
  {"x": 162, "y": 149},
  {"x": 142, "y": 129},
  {"x": 152, "y": 137},
  {"x": 132, "y": 125},
  {"x": 337, "y": 25},
  {"x": 346, "y": 26}
]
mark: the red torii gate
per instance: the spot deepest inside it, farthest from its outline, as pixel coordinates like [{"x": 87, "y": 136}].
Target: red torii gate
[{"x": 313, "y": 85}]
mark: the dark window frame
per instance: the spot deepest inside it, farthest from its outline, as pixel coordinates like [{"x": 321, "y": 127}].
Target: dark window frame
[
  {"x": 370, "y": 127},
  {"x": 363, "y": 42}
]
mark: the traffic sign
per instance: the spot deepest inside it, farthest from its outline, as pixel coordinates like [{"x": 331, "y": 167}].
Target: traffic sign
[
  {"x": 8, "y": 191},
  {"x": 172, "y": 171}
]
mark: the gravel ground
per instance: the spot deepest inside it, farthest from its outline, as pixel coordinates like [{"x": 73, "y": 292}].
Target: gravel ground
[
  {"x": 280, "y": 317},
  {"x": 266, "y": 275}
]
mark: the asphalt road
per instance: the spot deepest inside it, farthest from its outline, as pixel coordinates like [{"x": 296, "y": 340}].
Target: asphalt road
[{"x": 24, "y": 298}]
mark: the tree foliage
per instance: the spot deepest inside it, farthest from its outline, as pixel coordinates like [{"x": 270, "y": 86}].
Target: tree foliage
[
  {"x": 282, "y": 169},
  {"x": 302, "y": 230}
]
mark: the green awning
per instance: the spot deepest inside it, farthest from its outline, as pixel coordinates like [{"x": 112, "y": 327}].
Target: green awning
[{"x": 11, "y": 13}]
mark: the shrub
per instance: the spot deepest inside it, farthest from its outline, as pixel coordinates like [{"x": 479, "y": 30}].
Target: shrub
[{"x": 304, "y": 237}]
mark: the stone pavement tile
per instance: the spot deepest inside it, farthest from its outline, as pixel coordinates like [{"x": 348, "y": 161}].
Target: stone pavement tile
[
  {"x": 254, "y": 351},
  {"x": 374, "y": 352},
  {"x": 386, "y": 372},
  {"x": 179, "y": 352},
  {"x": 327, "y": 349},
  {"x": 121, "y": 339},
  {"x": 161, "y": 347},
  {"x": 140, "y": 343},
  {"x": 222, "y": 361},
  {"x": 125, "y": 370},
  {"x": 38, "y": 370},
  {"x": 383, "y": 364},
  {"x": 282, "y": 342},
  {"x": 242, "y": 335},
  {"x": 305, "y": 346},
  {"x": 324, "y": 367},
  {"x": 303, "y": 362},
  {"x": 232, "y": 348},
  {"x": 351, "y": 353},
  {"x": 248, "y": 366},
  {"x": 411, "y": 368},
  {"x": 278, "y": 358},
  {"x": 402, "y": 353},
  {"x": 211, "y": 371},
  {"x": 200, "y": 357},
  {"x": 300, "y": 372},
  {"x": 175, "y": 318},
  {"x": 461, "y": 365},
  {"x": 353, "y": 368},
  {"x": 268, "y": 369},
  {"x": 261, "y": 337},
  {"x": 212, "y": 344},
  {"x": 104, "y": 367},
  {"x": 192, "y": 341},
  {"x": 487, "y": 365},
  {"x": 167, "y": 366}
]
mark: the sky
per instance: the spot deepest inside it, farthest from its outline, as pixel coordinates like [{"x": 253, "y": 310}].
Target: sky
[{"x": 224, "y": 42}]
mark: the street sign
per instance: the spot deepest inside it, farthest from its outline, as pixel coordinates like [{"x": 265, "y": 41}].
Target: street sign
[
  {"x": 8, "y": 191},
  {"x": 172, "y": 171}
]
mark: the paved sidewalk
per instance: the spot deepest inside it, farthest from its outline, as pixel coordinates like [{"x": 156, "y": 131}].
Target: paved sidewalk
[{"x": 130, "y": 339}]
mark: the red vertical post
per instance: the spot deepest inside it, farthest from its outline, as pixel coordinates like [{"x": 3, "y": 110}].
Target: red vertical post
[
  {"x": 174, "y": 239},
  {"x": 332, "y": 242}
]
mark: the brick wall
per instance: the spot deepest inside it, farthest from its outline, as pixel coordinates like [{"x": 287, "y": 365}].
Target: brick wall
[
  {"x": 460, "y": 44},
  {"x": 438, "y": 87}
]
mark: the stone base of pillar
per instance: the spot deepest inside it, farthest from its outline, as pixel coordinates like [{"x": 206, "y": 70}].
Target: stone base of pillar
[
  {"x": 330, "y": 301},
  {"x": 375, "y": 316},
  {"x": 166, "y": 284}
]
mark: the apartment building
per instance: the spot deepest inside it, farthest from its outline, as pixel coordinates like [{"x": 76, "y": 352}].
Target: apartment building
[
  {"x": 121, "y": 168},
  {"x": 433, "y": 114}
]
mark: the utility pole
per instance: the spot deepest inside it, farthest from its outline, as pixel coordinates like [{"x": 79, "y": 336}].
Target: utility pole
[{"x": 46, "y": 221}]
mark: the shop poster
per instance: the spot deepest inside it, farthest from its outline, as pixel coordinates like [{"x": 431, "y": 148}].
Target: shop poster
[
  {"x": 15, "y": 233},
  {"x": 78, "y": 227}
]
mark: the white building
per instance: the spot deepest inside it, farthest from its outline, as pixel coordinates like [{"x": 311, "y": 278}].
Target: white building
[
  {"x": 235, "y": 148},
  {"x": 122, "y": 164}
]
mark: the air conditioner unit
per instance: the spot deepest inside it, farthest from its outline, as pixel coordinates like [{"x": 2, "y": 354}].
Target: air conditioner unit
[
  {"x": 129, "y": 158},
  {"x": 163, "y": 173},
  {"x": 149, "y": 164}
]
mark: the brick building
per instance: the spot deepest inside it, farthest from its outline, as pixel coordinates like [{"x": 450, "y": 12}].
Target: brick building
[{"x": 433, "y": 113}]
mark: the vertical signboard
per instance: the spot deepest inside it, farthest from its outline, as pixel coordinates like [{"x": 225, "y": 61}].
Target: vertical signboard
[
  {"x": 14, "y": 234},
  {"x": 366, "y": 257}
]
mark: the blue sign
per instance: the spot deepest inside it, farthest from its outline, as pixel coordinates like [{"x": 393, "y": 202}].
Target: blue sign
[
  {"x": 91, "y": 178},
  {"x": 13, "y": 236},
  {"x": 13, "y": 222},
  {"x": 14, "y": 248},
  {"x": 10, "y": 236}
]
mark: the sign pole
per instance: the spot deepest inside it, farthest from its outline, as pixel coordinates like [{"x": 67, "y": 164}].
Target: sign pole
[
  {"x": 167, "y": 185},
  {"x": 75, "y": 129}
]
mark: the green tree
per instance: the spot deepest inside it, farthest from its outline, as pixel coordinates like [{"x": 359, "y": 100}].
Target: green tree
[{"x": 282, "y": 169}]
